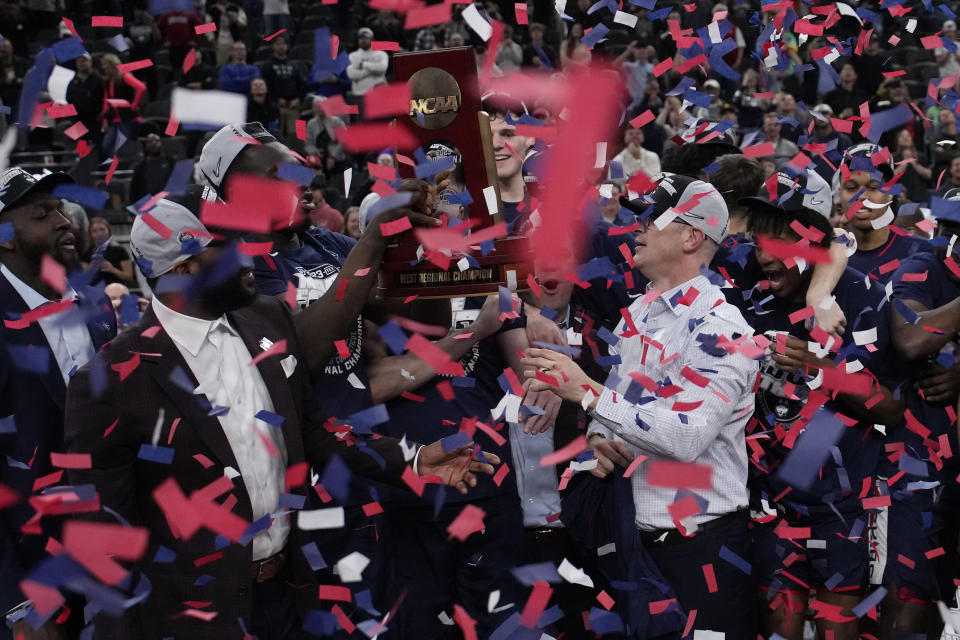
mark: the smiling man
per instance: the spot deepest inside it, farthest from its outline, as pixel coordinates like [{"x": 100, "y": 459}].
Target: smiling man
[
  {"x": 670, "y": 333},
  {"x": 36, "y": 362},
  {"x": 509, "y": 151}
]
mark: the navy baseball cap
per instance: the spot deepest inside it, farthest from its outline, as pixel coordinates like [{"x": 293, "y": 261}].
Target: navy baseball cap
[{"x": 16, "y": 184}]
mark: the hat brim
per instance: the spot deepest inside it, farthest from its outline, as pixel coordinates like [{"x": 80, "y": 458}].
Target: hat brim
[
  {"x": 628, "y": 204},
  {"x": 46, "y": 184},
  {"x": 759, "y": 202}
]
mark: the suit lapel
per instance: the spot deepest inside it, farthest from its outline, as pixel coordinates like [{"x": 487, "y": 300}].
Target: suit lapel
[
  {"x": 252, "y": 330},
  {"x": 12, "y": 306},
  {"x": 173, "y": 375}
]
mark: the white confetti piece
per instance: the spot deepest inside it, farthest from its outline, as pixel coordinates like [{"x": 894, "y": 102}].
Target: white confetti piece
[
  {"x": 882, "y": 221},
  {"x": 511, "y": 280},
  {"x": 601, "y": 155},
  {"x": 350, "y": 567},
  {"x": 331, "y": 518},
  {"x": 347, "y": 179},
  {"x": 713, "y": 30},
  {"x": 463, "y": 264},
  {"x": 816, "y": 544},
  {"x": 628, "y": 19},
  {"x": 606, "y": 190},
  {"x": 409, "y": 450},
  {"x": 867, "y": 336},
  {"x": 355, "y": 382},
  {"x": 476, "y": 22},
  {"x": 58, "y": 82},
  {"x": 208, "y": 107},
  {"x": 911, "y": 25},
  {"x": 702, "y": 634},
  {"x": 231, "y": 473},
  {"x": 490, "y": 195},
  {"x": 574, "y": 575},
  {"x": 610, "y": 547}
]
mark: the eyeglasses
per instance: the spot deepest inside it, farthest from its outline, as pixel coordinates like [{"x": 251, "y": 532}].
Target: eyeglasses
[{"x": 646, "y": 222}]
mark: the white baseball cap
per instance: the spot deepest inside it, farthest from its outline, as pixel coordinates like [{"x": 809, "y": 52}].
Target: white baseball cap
[
  {"x": 224, "y": 147},
  {"x": 155, "y": 250}
]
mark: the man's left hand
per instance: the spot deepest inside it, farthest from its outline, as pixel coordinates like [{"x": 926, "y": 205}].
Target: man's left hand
[
  {"x": 939, "y": 384},
  {"x": 570, "y": 378},
  {"x": 457, "y": 467}
]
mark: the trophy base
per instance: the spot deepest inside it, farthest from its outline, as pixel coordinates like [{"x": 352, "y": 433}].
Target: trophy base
[{"x": 509, "y": 263}]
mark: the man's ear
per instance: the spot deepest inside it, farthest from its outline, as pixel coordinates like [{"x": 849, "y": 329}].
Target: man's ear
[{"x": 183, "y": 268}]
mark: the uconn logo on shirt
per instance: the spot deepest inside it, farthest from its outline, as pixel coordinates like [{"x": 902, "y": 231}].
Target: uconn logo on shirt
[
  {"x": 312, "y": 283},
  {"x": 776, "y": 398}
]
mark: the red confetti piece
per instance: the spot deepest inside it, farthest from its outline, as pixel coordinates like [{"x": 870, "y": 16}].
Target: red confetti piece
[
  {"x": 501, "y": 474},
  {"x": 536, "y": 604},
  {"x": 172, "y": 125},
  {"x": 633, "y": 466},
  {"x": 372, "y": 509},
  {"x": 106, "y": 21},
  {"x": 111, "y": 170},
  {"x": 201, "y": 29},
  {"x": 710, "y": 577},
  {"x": 342, "y": 350},
  {"x": 643, "y": 119},
  {"x": 335, "y": 593},
  {"x": 124, "y": 369},
  {"x": 427, "y": 16},
  {"x": 189, "y": 60},
  {"x": 394, "y": 227},
  {"x": 389, "y": 99},
  {"x": 207, "y": 559},
  {"x": 273, "y": 35},
  {"x": 76, "y": 131},
  {"x": 680, "y": 475},
  {"x": 61, "y": 111},
  {"x": 568, "y": 452},
  {"x": 48, "y": 480},
  {"x": 468, "y": 626},
  {"x": 384, "y": 45},
  {"x": 662, "y": 67},
  {"x": 71, "y": 460},
  {"x": 301, "y": 129},
  {"x": 605, "y": 600},
  {"x": 467, "y": 522},
  {"x": 759, "y": 150},
  {"x": 277, "y": 348},
  {"x": 375, "y": 136},
  {"x": 97, "y": 546},
  {"x": 412, "y": 480},
  {"x": 134, "y": 66},
  {"x": 434, "y": 356}
]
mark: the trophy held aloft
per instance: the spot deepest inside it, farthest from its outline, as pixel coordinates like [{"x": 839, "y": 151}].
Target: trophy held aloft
[{"x": 446, "y": 118}]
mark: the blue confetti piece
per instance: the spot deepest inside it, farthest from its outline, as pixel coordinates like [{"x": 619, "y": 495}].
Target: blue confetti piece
[
  {"x": 803, "y": 463},
  {"x": 430, "y": 168},
  {"x": 93, "y": 198},
  {"x": 336, "y": 478},
  {"x": 296, "y": 173},
  {"x": 162, "y": 6},
  {"x": 886, "y": 120},
  {"x": 68, "y": 50},
  {"x": 312, "y": 553},
  {"x": 6, "y": 232},
  {"x": 573, "y": 352},
  {"x": 454, "y": 441},
  {"x": 119, "y": 43},
  {"x": 869, "y": 602},
  {"x": 129, "y": 309},
  {"x": 912, "y": 466},
  {"x": 8, "y": 425},
  {"x": 463, "y": 198},
  {"x": 260, "y": 524},
  {"x": 394, "y": 200},
  {"x": 603, "y": 622},
  {"x": 270, "y": 418},
  {"x": 660, "y": 14},
  {"x": 221, "y": 542},
  {"x": 907, "y": 313},
  {"x": 180, "y": 177},
  {"x": 164, "y": 555},
  {"x": 549, "y": 313},
  {"x": 364, "y": 421},
  {"x": 529, "y": 574},
  {"x": 219, "y": 411},
  {"x": 32, "y": 359},
  {"x": 596, "y": 34},
  {"x": 320, "y": 623},
  {"x": 834, "y": 581},
  {"x": 609, "y": 361},
  {"x": 163, "y": 455},
  {"x": 364, "y": 600},
  {"x": 205, "y": 579},
  {"x": 291, "y": 501},
  {"x": 730, "y": 556},
  {"x": 464, "y": 382}
]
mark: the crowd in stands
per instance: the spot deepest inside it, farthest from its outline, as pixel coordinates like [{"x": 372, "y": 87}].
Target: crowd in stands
[{"x": 729, "y": 411}]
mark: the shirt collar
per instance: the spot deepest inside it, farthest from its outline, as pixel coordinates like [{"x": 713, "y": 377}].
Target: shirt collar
[
  {"x": 31, "y": 296},
  {"x": 187, "y": 331},
  {"x": 699, "y": 282}
]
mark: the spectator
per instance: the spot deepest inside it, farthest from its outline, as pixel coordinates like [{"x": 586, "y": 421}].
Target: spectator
[
  {"x": 734, "y": 57},
  {"x": 115, "y": 264},
  {"x": 636, "y": 62},
  {"x": 351, "y": 222},
  {"x": 367, "y": 68},
  {"x": 915, "y": 167},
  {"x": 826, "y": 161},
  {"x": 736, "y": 177},
  {"x": 235, "y": 76},
  {"x": 509, "y": 54},
  {"x": 749, "y": 107},
  {"x": 121, "y": 300},
  {"x": 152, "y": 172},
  {"x": 712, "y": 111},
  {"x": 231, "y": 21},
  {"x": 386, "y": 27},
  {"x": 85, "y": 92},
  {"x": 143, "y": 38},
  {"x": 793, "y": 122},
  {"x": 846, "y": 98},
  {"x": 946, "y": 62},
  {"x": 946, "y": 141},
  {"x": 426, "y": 38},
  {"x": 538, "y": 54},
  {"x": 869, "y": 66},
  {"x": 285, "y": 82},
  {"x": 177, "y": 27},
  {"x": 611, "y": 209},
  {"x": 261, "y": 107},
  {"x": 671, "y": 118},
  {"x": 276, "y": 16},
  {"x": 572, "y": 51},
  {"x": 13, "y": 69},
  {"x": 951, "y": 180},
  {"x": 634, "y": 157},
  {"x": 783, "y": 149},
  {"x": 200, "y": 76},
  {"x": 323, "y": 215},
  {"x": 322, "y": 133},
  {"x": 119, "y": 123}
]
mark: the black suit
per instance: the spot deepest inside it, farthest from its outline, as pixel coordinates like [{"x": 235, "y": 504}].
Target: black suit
[
  {"x": 125, "y": 482},
  {"x": 34, "y": 398}
]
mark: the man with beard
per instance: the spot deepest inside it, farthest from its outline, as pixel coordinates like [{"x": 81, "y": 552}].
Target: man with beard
[
  {"x": 225, "y": 425},
  {"x": 39, "y": 353}
]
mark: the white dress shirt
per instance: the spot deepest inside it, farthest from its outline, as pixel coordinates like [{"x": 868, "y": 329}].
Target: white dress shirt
[
  {"x": 65, "y": 332},
  {"x": 648, "y": 161},
  {"x": 220, "y": 361},
  {"x": 710, "y": 434}
]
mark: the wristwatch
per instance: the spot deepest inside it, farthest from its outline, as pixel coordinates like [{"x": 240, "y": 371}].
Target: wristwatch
[{"x": 17, "y": 613}]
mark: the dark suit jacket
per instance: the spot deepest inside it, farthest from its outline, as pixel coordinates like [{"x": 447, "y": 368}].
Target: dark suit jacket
[
  {"x": 32, "y": 392},
  {"x": 125, "y": 482}
]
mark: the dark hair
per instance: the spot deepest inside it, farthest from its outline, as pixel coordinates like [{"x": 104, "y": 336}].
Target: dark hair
[
  {"x": 498, "y": 105},
  {"x": 774, "y": 222},
  {"x": 737, "y": 176},
  {"x": 692, "y": 158}
]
